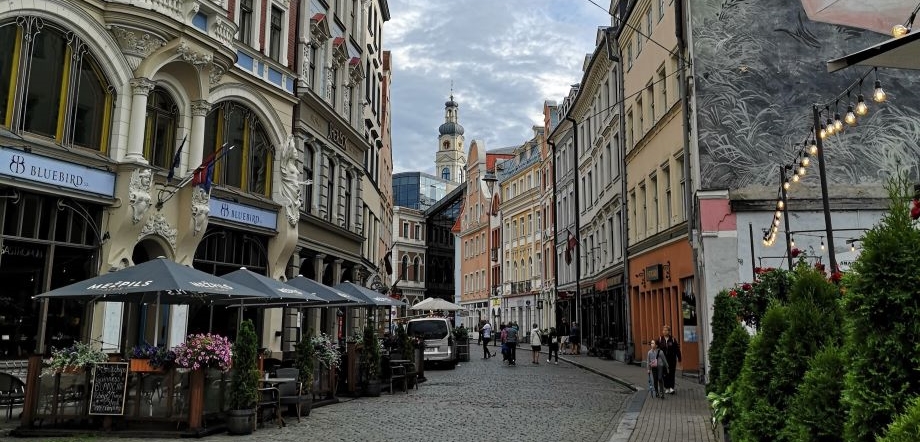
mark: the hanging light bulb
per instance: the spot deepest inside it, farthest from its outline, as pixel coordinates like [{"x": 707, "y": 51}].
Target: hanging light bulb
[
  {"x": 899, "y": 31},
  {"x": 823, "y": 132},
  {"x": 838, "y": 124},
  {"x": 806, "y": 161},
  {"x": 813, "y": 148},
  {"x": 780, "y": 204},
  {"x": 861, "y": 108},
  {"x": 765, "y": 243},
  {"x": 786, "y": 185},
  {"x": 779, "y": 214},
  {"x": 822, "y": 243},
  {"x": 795, "y": 177},
  {"x": 852, "y": 247},
  {"x": 830, "y": 127},
  {"x": 775, "y": 221},
  {"x": 791, "y": 240},
  {"x": 879, "y": 95},
  {"x": 850, "y": 118},
  {"x": 801, "y": 171}
]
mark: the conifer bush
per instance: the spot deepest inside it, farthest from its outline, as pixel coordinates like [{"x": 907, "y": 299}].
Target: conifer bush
[
  {"x": 815, "y": 412},
  {"x": 732, "y": 358},
  {"x": 906, "y": 427},
  {"x": 724, "y": 322},
  {"x": 883, "y": 321}
]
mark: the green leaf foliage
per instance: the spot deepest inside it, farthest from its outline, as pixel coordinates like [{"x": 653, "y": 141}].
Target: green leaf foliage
[
  {"x": 370, "y": 354},
  {"x": 883, "y": 321},
  {"x": 906, "y": 427},
  {"x": 758, "y": 419},
  {"x": 732, "y": 359},
  {"x": 304, "y": 353},
  {"x": 816, "y": 413},
  {"x": 724, "y": 321},
  {"x": 244, "y": 386}
]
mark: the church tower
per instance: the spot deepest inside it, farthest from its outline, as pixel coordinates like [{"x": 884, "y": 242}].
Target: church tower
[{"x": 450, "y": 160}]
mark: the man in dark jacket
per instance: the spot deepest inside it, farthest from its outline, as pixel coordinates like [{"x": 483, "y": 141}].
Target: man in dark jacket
[{"x": 671, "y": 348}]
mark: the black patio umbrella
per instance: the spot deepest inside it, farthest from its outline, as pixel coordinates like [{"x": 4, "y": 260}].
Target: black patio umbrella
[
  {"x": 335, "y": 297},
  {"x": 278, "y": 292},
  {"x": 159, "y": 281},
  {"x": 370, "y": 296}
]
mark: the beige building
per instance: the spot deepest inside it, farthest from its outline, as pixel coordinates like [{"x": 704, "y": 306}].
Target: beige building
[
  {"x": 408, "y": 254},
  {"x": 522, "y": 240},
  {"x": 473, "y": 237}
]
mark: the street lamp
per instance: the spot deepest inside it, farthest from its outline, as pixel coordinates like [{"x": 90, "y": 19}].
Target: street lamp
[{"x": 490, "y": 179}]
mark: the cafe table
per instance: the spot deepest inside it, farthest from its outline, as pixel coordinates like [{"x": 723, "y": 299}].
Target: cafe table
[{"x": 273, "y": 384}]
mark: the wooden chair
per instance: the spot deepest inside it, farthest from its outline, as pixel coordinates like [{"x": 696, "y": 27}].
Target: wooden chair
[
  {"x": 268, "y": 401},
  {"x": 12, "y": 392},
  {"x": 398, "y": 375},
  {"x": 293, "y": 394}
]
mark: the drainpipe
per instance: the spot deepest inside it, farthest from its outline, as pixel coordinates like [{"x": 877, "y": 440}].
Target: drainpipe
[{"x": 577, "y": 228}]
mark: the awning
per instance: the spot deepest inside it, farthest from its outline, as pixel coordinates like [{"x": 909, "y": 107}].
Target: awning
[
  {"x": 334, "y": 297},
  {"x": 899, "y": 53},
  {"x": 279, "y": 293},
  {"x": 371, "y": 297}
]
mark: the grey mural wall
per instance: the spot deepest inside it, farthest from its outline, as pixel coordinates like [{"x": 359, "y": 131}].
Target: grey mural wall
[{"x": 758, "y": 67}]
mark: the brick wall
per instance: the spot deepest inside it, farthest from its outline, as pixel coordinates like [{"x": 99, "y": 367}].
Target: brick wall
[{"x": 293, "y": 13}]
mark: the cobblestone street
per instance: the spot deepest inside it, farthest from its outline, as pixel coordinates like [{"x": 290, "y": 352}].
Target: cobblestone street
[{"x": 479, "y": 400}]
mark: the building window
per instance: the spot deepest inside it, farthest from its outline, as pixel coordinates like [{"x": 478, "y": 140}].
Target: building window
[
  {"x": 405, "y": 230},
  {"x": 662, "y": 85},
  {"x": 416, "y": 269},
  {"x": 404, "y": 270},
  {"x": 313, "y": 54},
  {"x": 640, "y": 121},
  {"x": 247, "y": 165},
  {"x": 660, "y": 9},
  {"x": 274, "y": 36},
  {"x": 666, "y": 176},
  {"x": 654, "y": 215},
  {"x": 330, "y": 189},
  {"x": 160, "y": 130},
  {"x": 308, "y": 156},
  {"x": 638, "y": 42},
  {"x": 445, "y": 173},
  {"x": 334, "y": 86},
  {"x": 418, "y": 231},
  {"x": 650, "y": 89},
  {"x": 629, "y": 56},
  {"x": 648, "y": 23},
  {"x": 629, "y": 130},
  {"x": 245, "y": 32},
  {"x": 66, "y": 97},
  {"x": 349, "y": 182}
]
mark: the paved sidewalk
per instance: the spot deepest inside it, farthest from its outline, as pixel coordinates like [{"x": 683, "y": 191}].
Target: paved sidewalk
[{"x": 680, "y": 417}]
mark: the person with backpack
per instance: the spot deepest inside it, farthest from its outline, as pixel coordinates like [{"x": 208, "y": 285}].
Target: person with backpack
[
  {"x": 535, "y": 344},
  {"x": 657, "y": 367},
  {"x": 511, "y": 338}
]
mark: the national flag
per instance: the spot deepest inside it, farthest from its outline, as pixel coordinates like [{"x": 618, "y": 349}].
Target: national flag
[
  {"x": 204, "y": 174},
  {"x": 176, "y": 159},
  {"x": 571, "y": 243},
  {"x": 387, "y": 264}
]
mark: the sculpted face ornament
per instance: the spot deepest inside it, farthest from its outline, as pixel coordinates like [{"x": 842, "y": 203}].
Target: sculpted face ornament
[{"x": 139, "y": 193}]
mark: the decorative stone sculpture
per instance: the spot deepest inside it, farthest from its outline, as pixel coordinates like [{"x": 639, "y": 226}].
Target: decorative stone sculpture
[
  {"x": 139, "y": 193},
  {"x": 291, "y": 192},
  {"x": 158, "y": 224},
  {"x": 200, "y": 210}
]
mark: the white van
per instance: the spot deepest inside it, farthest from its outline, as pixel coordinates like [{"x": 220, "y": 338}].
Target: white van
[{"x": 440, "y": 346}]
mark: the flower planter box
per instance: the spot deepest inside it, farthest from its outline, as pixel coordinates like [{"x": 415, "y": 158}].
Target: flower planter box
[{"x": 144, "y": 366}]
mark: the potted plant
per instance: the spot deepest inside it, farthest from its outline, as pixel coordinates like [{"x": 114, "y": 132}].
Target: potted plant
[
  {"x": 370, "y": 362},
  {"x": 462, "y": 338},
  {"x": 146, "y": 358},
  {"x": 329, "y": 357},
  {"x": 304, "y": 354},
  {"x": 73, "y": 359},
  {"x": 244, "y": 385},
  {"x": 406, "y": 348}
]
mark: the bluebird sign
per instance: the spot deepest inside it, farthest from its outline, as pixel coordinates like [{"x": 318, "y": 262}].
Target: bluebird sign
[
  {"x": 20, "y": 165},
  {"x": 243, "y": 214}
]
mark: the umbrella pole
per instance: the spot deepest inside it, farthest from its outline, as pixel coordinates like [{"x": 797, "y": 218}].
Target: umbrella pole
[
  {"x": 156, "y": 322},
  {"x": 211, "y": 318}
]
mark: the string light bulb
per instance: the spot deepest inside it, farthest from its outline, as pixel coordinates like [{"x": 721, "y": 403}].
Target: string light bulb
[
  {"x": 786, "y": 185},
  {"x": 861, "y": 108},
  {"x": 779, "y": 213},
  {"x": 830, "y": 127},
  {"x": 813, "y": 148},
  {"x": 879, "y": 95},
  {"x": 791, "y": 240},
  {"x": 852, "y": 247},
  {"x": 801, "y": 170},
  {"x": 823, "y": 132},
  {"x": 795, "y": 177},
  {"x": 806, "y": 161},
  {"x": 780, "y": 204},
  {"x": 850, "y": 118},
  {"x": 775, "y": 221},
  {"x": 822, "y": 243},
  {"x": 838, "y": 123},
  {"x": 899, "y": 31}
]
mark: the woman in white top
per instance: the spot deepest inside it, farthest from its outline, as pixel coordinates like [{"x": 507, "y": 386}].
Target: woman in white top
[
  {"x": 535, "y": 344},
  {"x": 486, "y": 332}
]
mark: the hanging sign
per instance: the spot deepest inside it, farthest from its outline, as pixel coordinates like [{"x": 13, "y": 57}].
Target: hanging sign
[
  {"x": 243, "y": 214},
  {"x": 17, "y": 164}
]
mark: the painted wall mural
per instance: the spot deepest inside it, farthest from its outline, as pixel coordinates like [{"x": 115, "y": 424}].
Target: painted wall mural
[{"x": 758, "y": 67}]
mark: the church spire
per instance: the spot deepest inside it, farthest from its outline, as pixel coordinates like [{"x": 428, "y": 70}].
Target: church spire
[{"x": 450, "y": 161}]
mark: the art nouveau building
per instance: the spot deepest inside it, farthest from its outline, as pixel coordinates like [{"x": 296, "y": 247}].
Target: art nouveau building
[
  {"x": 98, "y": 101},
  {"x": 560, "y": 137},
  {"x": 408, "y": 253}
]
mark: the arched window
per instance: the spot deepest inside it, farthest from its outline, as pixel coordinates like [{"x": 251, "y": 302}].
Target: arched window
[
  {"x": 416, "y": 269},
  {"x": 65, "y": 97},
  {"x": 404, "y": 271},
  {"x": 160, "y": 132},
  {"x": 248, "y": 165},
  {"x": 445, "y": 173},
  {"x": 348, "y": 203},
  {"x": 530, "y": 267}
]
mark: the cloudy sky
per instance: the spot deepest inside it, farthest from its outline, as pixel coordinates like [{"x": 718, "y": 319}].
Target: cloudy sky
[{"x": 505, "y": 57}]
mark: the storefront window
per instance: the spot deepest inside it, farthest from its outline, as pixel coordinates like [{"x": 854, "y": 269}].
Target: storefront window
[
  {"x": 66, "y": 97},
  {"x": 688, "y": 309}
]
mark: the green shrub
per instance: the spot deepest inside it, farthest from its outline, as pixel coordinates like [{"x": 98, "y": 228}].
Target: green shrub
[
  {"x": 883, "y": 321},
  {"x": 303, "y": 360},
  {"x": 906, "y": 427},
  {"x": 244, "y": 386},
  {"x": 732, "y": 358},
  {"x": 757, "y": 418},
  {"x": 815, "y": 412},
  {"x": 724, "y": 321},
  {"x": 370, "y": 354}
]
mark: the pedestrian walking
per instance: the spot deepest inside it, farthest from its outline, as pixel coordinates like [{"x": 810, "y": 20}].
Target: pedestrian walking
[
  {"x": 535, "y": 344},
  {"x": 553, "y": 345},
  {"x": 657, "y": 366},
  {"x": 575, "y": 339},
  {"x": 506, "y": 352},
  {"x": 486, "y": 333},
  {"x": 671, "y": 349},
  {"x": 511, "y": 339}
]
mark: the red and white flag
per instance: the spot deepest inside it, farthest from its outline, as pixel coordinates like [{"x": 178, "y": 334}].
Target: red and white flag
[{"x": 571, "y": 244}]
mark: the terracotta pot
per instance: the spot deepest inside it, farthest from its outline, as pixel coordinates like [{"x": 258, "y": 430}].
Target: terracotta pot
[
  {"x": 72, "y": 369},
  {"x": 144, "y": 366}
]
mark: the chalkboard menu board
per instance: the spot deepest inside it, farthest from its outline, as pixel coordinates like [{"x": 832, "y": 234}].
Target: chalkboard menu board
[{"x": 110, "y": 382}]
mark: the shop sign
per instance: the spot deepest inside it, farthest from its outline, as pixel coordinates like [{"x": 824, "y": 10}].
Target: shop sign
[
  {"x": 653, "y": 273},
  {"x": 17, "y": 164},
  {"x": 23, "y": 251},
  {"x": 243, "y": 214}
]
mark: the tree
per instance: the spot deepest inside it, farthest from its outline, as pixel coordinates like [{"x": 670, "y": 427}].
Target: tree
[
  {"x": 905, "y": 427},
  {"x": 245, "y": 381},
  {"x": 816, "y": 413},
  {"x": 883, "y": 321},
  {"x": 724, "y": 321}
]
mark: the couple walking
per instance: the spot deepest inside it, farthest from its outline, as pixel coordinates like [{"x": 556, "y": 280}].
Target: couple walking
[{"x": 662, "y": 360}]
